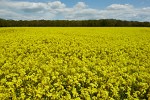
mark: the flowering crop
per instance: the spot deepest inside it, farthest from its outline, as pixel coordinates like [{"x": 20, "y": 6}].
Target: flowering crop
[{"x": 74, "y": 63}]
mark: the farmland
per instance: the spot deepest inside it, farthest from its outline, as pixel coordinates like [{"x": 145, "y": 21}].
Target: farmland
[{"x": 74, "y": 63}]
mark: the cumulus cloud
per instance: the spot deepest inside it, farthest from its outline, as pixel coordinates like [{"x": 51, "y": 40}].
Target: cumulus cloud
[
  {"x": 25, "y": 10},
  {"x": 56, "y": 5},
  {"x": 120, "y": 7},
  {"x": 29, "y": 10},
  {"x": 80, "y": 5},
  {"x": 9, "y": 14},
  {"x": 83, "y": 14}
]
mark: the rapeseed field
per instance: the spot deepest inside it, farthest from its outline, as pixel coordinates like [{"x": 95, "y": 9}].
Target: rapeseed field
[{"x": 74, "y": 63}]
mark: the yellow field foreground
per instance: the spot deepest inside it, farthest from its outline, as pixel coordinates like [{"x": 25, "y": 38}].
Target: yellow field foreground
[{"x": 74, "y": 63}]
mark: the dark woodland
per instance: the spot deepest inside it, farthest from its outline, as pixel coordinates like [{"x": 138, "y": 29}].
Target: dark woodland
[{"x": 72, "y": 23}]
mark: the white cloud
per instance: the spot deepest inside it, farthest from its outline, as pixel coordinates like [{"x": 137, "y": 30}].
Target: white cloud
[
  {"x": 56, "y": 5},
  {"x": 80, "y": 5},
  {"x": 17, "y": 10},
  {"x": 83, "y": 14},
  {"x": 120, "y": 7},
  {"x": 29, "y": 10},
  {"x": 8, "y": 14}
]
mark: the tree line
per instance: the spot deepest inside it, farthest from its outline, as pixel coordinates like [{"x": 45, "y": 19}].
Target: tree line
[{"x": 72, "y": 23}]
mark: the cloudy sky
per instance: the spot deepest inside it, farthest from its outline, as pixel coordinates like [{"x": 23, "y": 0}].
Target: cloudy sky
[{"x": 136, "y": 10}]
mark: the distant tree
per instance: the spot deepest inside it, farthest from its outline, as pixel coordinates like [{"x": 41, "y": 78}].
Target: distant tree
[{"x": 72, "y": 23}]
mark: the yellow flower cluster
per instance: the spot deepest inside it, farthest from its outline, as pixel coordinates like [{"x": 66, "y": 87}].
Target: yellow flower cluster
[{"x": 74, "y": 63}]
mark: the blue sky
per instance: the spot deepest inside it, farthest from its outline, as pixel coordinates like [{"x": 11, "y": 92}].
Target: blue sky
[
  {"x": 136, "y": 10},
  {"x": 100, "y": 3}
]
